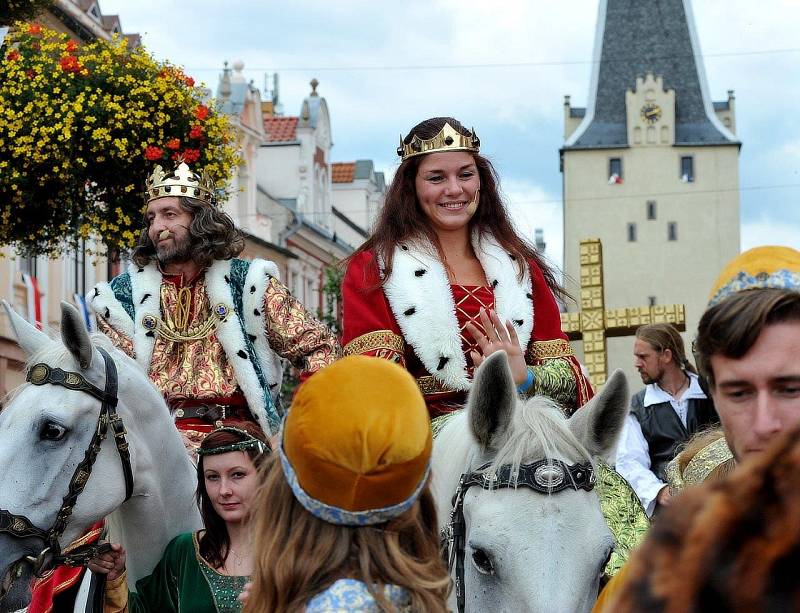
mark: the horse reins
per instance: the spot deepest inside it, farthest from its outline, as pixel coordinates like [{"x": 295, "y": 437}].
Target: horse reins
[
  {"x": 545, "y": 476},
  {"x": 20, "y": 526}
]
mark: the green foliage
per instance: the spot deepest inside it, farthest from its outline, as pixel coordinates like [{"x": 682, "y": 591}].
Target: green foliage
[
  {"x": 81, "y": 126},
  {"x": 332, "y": 297}
]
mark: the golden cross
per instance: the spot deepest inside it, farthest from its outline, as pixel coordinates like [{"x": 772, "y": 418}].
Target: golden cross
[{"x": 594, "y": 324}]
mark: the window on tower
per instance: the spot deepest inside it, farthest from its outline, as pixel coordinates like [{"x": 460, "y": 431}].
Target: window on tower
[
  {"x": 651, "y": 209},
  {"x": 631, "y": 232},
  {"x": 672, "y": 231},
  {"x": 687, "y": 169},
  {"x": 615, "y": 170}
]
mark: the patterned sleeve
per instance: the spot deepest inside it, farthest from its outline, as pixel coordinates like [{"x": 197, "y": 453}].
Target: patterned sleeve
[
  {"x": 295, "y": 334},
  {"x": 119, "y": 340},
  {"x": 556, "y": 371},
  {"x": 369, "y": 327}
]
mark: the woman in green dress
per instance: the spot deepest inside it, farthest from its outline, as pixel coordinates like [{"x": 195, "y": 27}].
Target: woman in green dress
[{"x": 205, "y": 571}]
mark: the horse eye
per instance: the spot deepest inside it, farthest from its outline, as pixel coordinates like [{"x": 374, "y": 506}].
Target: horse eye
[
  {"x": 52, "y": 431},
  {"x": 482, "y": 562}
]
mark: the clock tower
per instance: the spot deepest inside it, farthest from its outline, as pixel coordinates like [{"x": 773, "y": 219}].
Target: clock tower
[{"x": 650, "y": 166}]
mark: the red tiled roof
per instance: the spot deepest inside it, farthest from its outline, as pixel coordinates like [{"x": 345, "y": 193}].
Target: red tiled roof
[
  {"x": 343, "y": 172},
  {"x": 280, "y": 129}
]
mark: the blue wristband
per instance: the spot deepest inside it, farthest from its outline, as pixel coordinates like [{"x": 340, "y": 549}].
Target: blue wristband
[{"x": 527, "y": 384}]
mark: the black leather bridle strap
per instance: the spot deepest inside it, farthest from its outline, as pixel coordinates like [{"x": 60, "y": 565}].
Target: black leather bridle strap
[
  {"x": 18, "y": 525},
  {"x": 546, "y": 476}
]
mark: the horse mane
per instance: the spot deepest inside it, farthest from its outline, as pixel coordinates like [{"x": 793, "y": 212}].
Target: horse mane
[{"x": 538, "y": 429}]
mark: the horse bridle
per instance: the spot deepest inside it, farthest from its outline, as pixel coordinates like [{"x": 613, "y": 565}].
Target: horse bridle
[
  {"x": 545, "y": 476},
  {"x": 20, "y": 526}
]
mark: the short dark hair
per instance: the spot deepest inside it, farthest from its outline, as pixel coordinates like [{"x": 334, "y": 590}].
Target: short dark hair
[
  {"x": 733, "y": 326},
  {"x": 213, "y": 234}
]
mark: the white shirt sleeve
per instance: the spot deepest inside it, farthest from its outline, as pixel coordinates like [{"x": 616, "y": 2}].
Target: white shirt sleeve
[{"x": 633, "y": 463}]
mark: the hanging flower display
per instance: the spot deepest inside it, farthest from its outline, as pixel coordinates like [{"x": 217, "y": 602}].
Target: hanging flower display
[{"x": 81, "y": 126}]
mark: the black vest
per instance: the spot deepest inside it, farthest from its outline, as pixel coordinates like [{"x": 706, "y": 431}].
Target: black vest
[{"x": 664, "y": 431}]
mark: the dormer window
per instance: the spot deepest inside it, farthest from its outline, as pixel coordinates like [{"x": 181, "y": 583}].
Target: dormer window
[{"x": 95, "y": 12}]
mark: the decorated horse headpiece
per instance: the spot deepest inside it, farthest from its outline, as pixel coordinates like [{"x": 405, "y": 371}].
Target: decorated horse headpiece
[
  {"x": 758, "y": 268},
  {"x": 356, "y": 444}
]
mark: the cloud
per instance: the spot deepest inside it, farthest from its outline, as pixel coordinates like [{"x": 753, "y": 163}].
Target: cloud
[
  {"x": 517, "y": 110},
  {"x": 533, "y": 207},
  {"x": 770, "y": 232}
]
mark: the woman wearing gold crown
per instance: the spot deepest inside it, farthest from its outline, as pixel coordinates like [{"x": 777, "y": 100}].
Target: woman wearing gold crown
[{"x": 444, "y": 280}]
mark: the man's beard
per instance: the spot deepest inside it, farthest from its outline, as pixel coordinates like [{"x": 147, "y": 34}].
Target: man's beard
[
  {"x": 179, "y": 251},
  {"x": 648, "y": 380}
]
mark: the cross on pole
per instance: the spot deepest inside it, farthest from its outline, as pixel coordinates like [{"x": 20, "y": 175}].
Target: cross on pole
[{"x": 594, "y": 324}]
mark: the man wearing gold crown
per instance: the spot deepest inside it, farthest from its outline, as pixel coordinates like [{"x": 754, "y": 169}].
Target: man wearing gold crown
[{"x": 209, "y": 328}]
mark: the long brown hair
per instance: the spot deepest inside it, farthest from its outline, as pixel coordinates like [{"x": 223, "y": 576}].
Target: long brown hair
[
  {"x": 297, "y": 556},
  {"x": 663, "y": 336},
  {"x": 401, "y": 217},
  {"x": 214, "y": 541},
  {"x": 212, "y": 233},
  {"x": 728, "y": 545}
]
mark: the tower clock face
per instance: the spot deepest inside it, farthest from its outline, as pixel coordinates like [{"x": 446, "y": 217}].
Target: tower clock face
[{"x": 651, "y": 112}]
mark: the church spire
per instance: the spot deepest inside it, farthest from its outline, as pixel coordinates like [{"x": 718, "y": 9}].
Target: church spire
[{"x": 635, "y": 37}]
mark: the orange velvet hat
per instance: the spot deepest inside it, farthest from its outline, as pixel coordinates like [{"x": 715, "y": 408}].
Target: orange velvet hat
[
  {"x": 758, "y": 268},
  {"x": 357, "y": 442}
]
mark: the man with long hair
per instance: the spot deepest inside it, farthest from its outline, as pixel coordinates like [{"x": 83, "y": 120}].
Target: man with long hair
[
  {"x": 209, "y": 328},
  {"x": 664, "y": 414}
]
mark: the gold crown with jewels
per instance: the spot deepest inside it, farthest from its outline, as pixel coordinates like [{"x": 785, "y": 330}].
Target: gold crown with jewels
[
  {"x": 182, "y": 181},
  {"x": 448, "y": 139}
]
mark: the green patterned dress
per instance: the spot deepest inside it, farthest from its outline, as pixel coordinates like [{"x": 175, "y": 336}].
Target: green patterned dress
[{"x": 182, "y": 581}]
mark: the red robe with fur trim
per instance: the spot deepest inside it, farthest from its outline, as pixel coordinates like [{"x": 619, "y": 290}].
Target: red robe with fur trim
[{"x": 419, "y": 295}]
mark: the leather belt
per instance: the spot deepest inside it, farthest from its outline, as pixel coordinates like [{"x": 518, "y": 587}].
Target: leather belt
[{"x": 211, "y": 412}]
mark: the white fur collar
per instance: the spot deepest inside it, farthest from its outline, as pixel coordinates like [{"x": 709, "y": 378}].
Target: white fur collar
[{"x": 422, "y": 302}]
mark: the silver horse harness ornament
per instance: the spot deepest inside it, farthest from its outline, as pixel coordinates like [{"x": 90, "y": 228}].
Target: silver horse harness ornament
[
  {"x": 20, "y": 526},
  {"x": 545, "y": 476}
]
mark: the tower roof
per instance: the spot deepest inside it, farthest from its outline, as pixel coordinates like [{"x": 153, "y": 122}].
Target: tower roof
[{"x": 639, "y": 36}]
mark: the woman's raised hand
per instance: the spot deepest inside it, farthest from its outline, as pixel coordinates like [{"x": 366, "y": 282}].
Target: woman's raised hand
[
  {"x": 498, "y": 337},
  {"x": 111, "y": 563}
]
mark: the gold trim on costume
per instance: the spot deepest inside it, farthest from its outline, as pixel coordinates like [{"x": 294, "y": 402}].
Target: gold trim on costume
[
  {"x": 549, "y": 350},
  {"x": 700, "y": 466},
  {"x": 371, "y": 341},
  {"x": 431, "y": 385}
]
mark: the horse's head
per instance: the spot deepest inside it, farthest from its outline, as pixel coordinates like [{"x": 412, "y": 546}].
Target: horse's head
[
  {"x": 45, "y": 432},
  {"x": 529, "y": 550}
]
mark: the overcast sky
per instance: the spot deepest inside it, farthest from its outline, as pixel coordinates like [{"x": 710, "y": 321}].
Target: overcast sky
[{"x": 406, "y": 52}]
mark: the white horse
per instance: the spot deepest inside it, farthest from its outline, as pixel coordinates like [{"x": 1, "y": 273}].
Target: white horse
[
  {"x": 45, "y": 431},
  {"x": 527, "y": 551}
]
